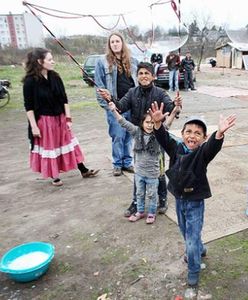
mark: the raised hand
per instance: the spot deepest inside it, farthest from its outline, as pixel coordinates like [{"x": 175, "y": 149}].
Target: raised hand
[
  {"x": 105, "y": 94},
  {"x": 157, "y": 114},
  {"x": 226, "y": 123}
]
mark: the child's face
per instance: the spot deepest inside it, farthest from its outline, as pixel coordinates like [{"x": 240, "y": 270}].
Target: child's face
[
  {"x": 193, "y": 136},
  {"x": 148, "y": 124}
]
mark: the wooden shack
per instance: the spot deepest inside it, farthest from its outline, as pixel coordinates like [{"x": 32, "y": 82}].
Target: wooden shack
[{"x": 232, "y": 55}]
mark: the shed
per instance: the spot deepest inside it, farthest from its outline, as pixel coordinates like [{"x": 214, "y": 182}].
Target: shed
[{"x": 232, "y": 55}]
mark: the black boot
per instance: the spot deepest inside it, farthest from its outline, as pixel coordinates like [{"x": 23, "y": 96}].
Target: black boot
[
  {"x": 132, "y": 209},
  {"x": 163, "y": 206}
]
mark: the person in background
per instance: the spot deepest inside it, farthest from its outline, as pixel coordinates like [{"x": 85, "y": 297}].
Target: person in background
[
  {"x": 188, "y": 181},
  {"x": 138, "y": 100},
  {"x": 188, "y": 66},
  {"x": 54, "y": 148},
  {"x": 156, "y": 60},
  {"x": 173, "y": 63},
  {"x": 116, "y": 71}
]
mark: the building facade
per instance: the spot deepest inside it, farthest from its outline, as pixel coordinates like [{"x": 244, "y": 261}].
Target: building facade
[{"x": 20, "y": 31}]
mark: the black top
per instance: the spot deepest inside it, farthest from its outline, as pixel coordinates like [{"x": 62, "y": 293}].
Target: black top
[
  {"x": 187, "y": 171},
  {"x": 138, "y": 100},
  {"x": 124, "y": 83},
  {"x": 45, "y": 96}
]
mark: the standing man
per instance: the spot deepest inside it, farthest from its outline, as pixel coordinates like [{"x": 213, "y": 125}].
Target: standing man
[
  {"x": 173, "y": 62},
  {"x": 188, "y": 68}
]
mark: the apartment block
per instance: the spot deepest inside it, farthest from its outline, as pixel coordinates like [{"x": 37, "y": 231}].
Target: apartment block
[{"x": 20, "y": 31}]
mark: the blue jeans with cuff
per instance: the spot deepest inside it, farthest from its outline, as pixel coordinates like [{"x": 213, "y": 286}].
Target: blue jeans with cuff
[{"x": 190, "y": 215}]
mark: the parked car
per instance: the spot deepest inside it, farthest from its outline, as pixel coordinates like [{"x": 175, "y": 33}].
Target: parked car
[
  {"x": 162, "y": 76},
  {"x": 89, "y": 68},
  {"x": 162, "y": 79}
]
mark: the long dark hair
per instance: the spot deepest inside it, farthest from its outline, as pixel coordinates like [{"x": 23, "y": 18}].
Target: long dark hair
[{"x": 32, "y": 66}]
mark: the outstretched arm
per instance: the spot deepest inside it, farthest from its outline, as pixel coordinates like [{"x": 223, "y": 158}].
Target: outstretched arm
[
  {"x": 224, "y": 125},
  {"x": 169, "y": 119},
  {"x": 113, "y": 108}
]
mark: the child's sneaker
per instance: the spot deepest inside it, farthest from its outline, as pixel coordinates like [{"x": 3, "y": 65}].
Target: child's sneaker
[
  {"x": 136, "y": 217},
  {"x": 150, "y": 219}
]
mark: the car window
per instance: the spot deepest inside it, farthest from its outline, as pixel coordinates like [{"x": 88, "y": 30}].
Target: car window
[{"x": 91, "y": 60}]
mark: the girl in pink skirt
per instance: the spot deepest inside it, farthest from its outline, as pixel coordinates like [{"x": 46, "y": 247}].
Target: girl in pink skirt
[{"x": 54, "y": 148}]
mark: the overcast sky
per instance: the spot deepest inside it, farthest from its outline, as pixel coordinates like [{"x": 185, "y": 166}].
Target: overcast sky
[{"x": 233, "y": 13}]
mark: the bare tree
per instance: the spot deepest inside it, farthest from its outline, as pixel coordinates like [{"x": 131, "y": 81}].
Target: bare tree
[{"x": 201, "y": 31}]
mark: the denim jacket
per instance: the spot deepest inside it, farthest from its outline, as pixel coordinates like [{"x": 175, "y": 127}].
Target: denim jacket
[{"x": 108, "y": 80}]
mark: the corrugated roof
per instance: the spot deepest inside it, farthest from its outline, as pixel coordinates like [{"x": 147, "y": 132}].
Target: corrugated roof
[{"x": 239, "y": 46}]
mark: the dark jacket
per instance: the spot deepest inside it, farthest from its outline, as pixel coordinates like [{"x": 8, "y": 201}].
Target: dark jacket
[
  {"x": 188, "y": 64},
  {"x": 173, "y": 62},
  {"x": 187, "y": 171},
  {"x": 138, "y": 100}
]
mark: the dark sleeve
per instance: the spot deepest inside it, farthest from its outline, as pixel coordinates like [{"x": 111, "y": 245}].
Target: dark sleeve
[
  {"x": 28, "y": 93},
  {"x": 212, "y": 147},
  {"x": 167, "y": 142},
  {"x": 63, "y": 92},
  {"x": 125, "y": 103},
  {"x": 168, "y": 104}
]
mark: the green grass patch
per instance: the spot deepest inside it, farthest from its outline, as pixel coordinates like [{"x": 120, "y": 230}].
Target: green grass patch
[
  {"x": 227, "y": 266},
  {"x": 79, "y": 94},
  {"x": 135, "y": 270},
  {"x": 114, "y": 256},
  {"x": 61, "y": 267}
]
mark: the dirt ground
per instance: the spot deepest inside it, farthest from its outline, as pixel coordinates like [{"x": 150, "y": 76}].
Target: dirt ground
[{"x": 97, "y": 250}]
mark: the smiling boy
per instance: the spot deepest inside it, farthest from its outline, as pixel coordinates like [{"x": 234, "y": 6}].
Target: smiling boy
[{"x": 187, "y": 175}]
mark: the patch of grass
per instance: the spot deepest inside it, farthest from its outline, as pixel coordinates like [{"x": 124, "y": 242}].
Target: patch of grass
[
  {"x": 79, "y": 94},
  {"x": 228, "y": 265},
  {"x": 114, "y": 256},
  {"x": 84, "y": 241},
  {"x": 96, "y": 294},
  {"x": 62, "y": 267},
  {"x": 133, "y": 271},
  {"x": 79, "y": 105}
]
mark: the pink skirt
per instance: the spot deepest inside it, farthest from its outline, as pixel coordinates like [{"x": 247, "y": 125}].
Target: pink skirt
[{"x": 57, "y": 150}]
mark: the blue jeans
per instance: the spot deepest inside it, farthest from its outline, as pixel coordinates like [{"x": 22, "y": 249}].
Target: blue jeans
[
  {"x": 146, "y": 187},
  {"x": 188, "y": 79},
  {"x": 162, "y": 186},
  {"x": 173, "y": 80},
  {"x": 121, "y": 141},
  {"x": 190, "y": 216}
]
